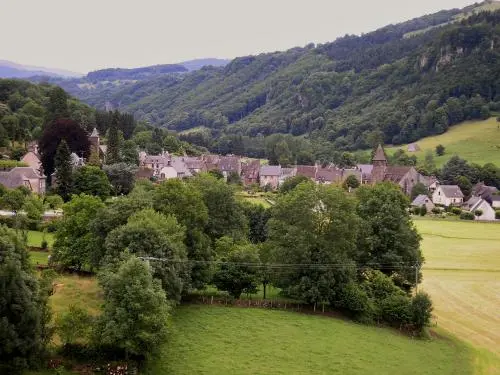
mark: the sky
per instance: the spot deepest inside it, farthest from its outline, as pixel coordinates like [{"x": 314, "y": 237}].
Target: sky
[{"x": 86, "y": 35}]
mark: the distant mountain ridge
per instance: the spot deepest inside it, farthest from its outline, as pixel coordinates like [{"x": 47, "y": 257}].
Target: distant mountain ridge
[{"x": 9, "y": 69}]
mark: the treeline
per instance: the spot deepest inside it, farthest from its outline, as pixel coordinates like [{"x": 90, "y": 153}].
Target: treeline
[{"x": 382, "y": 85}]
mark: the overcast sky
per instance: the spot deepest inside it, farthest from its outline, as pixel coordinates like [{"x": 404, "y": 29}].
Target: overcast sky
[{"x": 84, "y": 35}]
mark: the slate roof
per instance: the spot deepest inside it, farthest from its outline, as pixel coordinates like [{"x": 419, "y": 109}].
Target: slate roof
[
  {"x": 144, "y": 173},
  {"x": 420, "y": 200},
  {"x": 379, "y": 154},
  {"x": 270, "y": 170},
  {"x": 484, "y": 191},
  {"x": 16, "y": 176},
  {"x": 451, "y": 191},
  {"x": 307, "y": 171},
  {"x": 229, "y": 164},
  {"x": 329, "y": 175},
  {"x": 396, "y": 173}
]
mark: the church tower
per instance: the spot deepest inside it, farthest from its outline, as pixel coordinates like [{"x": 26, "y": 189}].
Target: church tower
[
  {"x": 379, "y": 162},
  {"x": 94, "y": 141}
]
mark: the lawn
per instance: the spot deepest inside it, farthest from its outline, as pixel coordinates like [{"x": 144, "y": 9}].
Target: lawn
[
  {"x": 35, "y": 238},
  {"x": 39, "y": 257},
  {"x": 462, "y": 274},
  {"x": 225, "y": 340},
  {"x": 475, "y": 141},
  {"x": 257, "y": 198},
  {"x": 78, "y": 291}
]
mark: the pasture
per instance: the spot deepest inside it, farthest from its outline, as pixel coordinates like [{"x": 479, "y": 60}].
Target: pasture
[
  {"x": 475, "y": 141},
  {"x": 462, "y": 274},
  {"x": 35, "y": 238},
  {"x": 225, "y": 340}
]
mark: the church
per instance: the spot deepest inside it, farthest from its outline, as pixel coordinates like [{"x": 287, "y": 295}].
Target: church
[{"x": 405, "y": 176}]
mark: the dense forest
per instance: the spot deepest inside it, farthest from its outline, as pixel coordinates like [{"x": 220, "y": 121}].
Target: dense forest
[{"x": 396, "y": 85}]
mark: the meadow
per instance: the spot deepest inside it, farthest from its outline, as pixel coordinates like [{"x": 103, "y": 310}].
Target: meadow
[
  {"x": 462, "y": 274},
  {"x": 474, "y": 141},
  {"x": 225, "y": 340},
  {"x": 35, "y": 238}
]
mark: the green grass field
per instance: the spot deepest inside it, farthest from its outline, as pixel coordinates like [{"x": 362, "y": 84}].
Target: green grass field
[
  {"x": 35, "y": 238},
  {"x": 475, "y": 141},
  {"x": 225, "y": 340},
  {"x": 258, "y": 198},
  {"x": 462, "y": 274}
]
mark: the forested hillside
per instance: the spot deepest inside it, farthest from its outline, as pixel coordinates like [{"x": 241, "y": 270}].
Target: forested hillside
[{"x": 394, "y": 85}]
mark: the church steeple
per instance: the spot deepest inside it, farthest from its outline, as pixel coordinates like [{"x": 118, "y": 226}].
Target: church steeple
[{"x": 379, "y": 158}]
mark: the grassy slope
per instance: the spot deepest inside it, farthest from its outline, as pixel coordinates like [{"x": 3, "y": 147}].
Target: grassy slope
[
  {"x": 218, "y": 340},
  {"x": 462, "y": 274},
  {"x": 475, "y": 141},
  {"x": 35, "y": 238}
]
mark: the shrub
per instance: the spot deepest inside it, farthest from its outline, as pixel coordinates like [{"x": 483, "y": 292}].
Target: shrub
[
  {"x": 395, "y": 309},
  {"x": 478, "y": 212},
  {"x": 356, "y": 301},
  {"x": 415, "y": 210},
  {"x": 50, "y": 226},
  {"x": 456, "y": 211},
  {"x": 44, "y": 245},
  {"x": 423, "y": 210},
  {"x": 421, "y": 310},
  {"x": 466, "y": 215},
  {"x": 497, "y": 214},
  {"x": 74, "y": 326},
  {"x": 436, "y": 210}
]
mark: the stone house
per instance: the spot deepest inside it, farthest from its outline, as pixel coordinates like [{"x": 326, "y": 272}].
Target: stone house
[
  {"x": 448, "y": 195},
  {"x": 423, "y": 200},
  {"x": 250, "y": 172},
  {"x": 24, "y": 176},
  {"x": 270, "y": 175}
]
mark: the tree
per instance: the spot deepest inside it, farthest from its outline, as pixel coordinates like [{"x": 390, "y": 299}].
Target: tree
[
  {"x": 71, "y": 132},
  {"x": 74, "y": 325},
  {"x": 64, "y": 171},
  {"x": 23, "y": 307},
  {"x": 440, "y": 150},
  {"x": 53, "y": 201},
  {"x": 292, "y": 182},
  {"x": 13, "y": 199},
  {"x": 257, "y": 217},
  {"x": 453, "y": 169},
  {"x": 151, "y": 234},
  {"x": 421, "y": 310},
  {"x": 429, "y": 164},
  {"x": 225, "y": 215},
  {"x": 74, "y": 244},
  {"x": 33, "y": 207},
  {"x": 185, "y": 202},
  {"x": 121, "y": 176},
  {"x": 113, "y": 144},
  {"x": 389, "y": 240},
  {"x": 58, "y": 104},
  {"x": 418, "y": 189},
  {"x": 92, "y": 181},
  {"x": 465, "y": 185},
  {"x": 136, "y": 311},
  {"x": 310, "y": 227},
  {"x": 240, "y": 273},
  {"x": 351, "y": 182},
  {"x": 129, "y": 153}
]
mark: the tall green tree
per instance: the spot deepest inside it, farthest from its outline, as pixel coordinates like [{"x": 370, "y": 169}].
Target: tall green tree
[
  {"x": 136, "y": 312},
  {"x": 151, "y": 234},
  {"x": 313, "y": 229},
  {"x": 74, "y": 244},
  {"x": 225, "y": 215},
  {"x": 64, "y": 171},
  {"x": 129, "y": 153},
  {"x": 185, "y": 202},
  {"x": 92, "y": 181},
  {"x": 23, "y": 307},
  {"x": 58, "y": 104},
  {"x": 241, "y": 272},
  {"x": 121, "y": 176},
  {"x": 388, "y": 239},
  {"x": 113, "y": 142}
]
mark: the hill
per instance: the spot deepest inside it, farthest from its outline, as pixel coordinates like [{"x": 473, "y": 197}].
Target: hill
[
  {"x": 476, "y": 141},
  {"x": 197, "y": 64},
  {"x": 220, "y": 340},
  {"x": 9, "y": 69},
  {"x": 346, "y": 95}
]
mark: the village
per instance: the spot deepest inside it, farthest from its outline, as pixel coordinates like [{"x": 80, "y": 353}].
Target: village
[{"x": 257, "y": 174}]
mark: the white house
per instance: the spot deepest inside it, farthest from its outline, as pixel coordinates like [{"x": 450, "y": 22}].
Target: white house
[
  {"x": 448, "y": 195},
  {"x": 478, "y": 203},
  {"x": 495, "y": 201}
]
